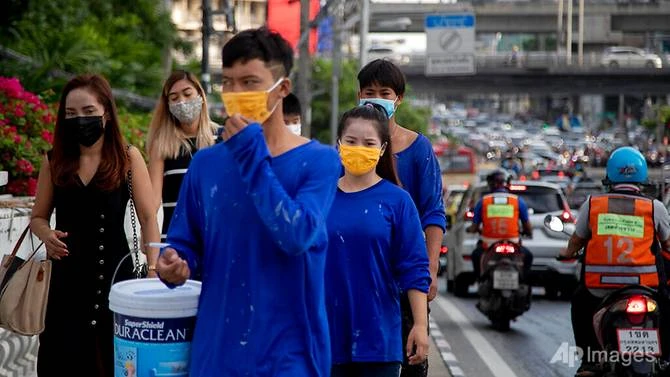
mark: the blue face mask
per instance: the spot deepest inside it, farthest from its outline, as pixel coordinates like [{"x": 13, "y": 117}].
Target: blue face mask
[{"x": 387, "y": 104}]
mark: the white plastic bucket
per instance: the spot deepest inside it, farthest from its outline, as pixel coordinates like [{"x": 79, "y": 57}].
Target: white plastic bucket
[{"x": 153, "y": 327}]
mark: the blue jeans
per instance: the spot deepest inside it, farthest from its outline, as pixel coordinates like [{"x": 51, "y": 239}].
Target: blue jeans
[{"x": 365, "y": 370}]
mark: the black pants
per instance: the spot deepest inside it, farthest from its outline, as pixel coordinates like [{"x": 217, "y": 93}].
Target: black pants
[
  {"x": 417, "y": 370},
  {"x": 477, "y": 257},
  {"x": 584, "y": 306},
  {"x": 365, "y": 370}
]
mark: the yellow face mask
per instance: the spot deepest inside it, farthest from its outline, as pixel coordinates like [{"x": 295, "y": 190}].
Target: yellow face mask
[
  {"x": 359, "y": 160},
  {"x": 251, "y": 105}
]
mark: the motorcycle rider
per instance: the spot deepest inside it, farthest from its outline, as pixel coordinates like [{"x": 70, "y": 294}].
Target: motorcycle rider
[
  {"x": 499, "y": 213},
  {"x": 617, "y": 230}
]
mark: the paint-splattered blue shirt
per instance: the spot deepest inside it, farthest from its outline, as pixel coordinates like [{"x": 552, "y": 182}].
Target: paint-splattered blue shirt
[
  {"x": 254, "y": 226},
  {"x": 421, "y": 176},
  {"x": 376, "y": 249}
]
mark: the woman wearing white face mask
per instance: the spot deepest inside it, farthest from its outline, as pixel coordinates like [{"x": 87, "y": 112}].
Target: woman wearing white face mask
[{"x": 180, "y": 127}]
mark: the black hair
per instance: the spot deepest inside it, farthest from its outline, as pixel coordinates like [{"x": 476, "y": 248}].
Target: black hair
[
  {"x": 261, "y": 43},
  {"x": 373, "y": 112},
  {"x": 384, "y": 73},
  {"x": 291, "y": 104}
]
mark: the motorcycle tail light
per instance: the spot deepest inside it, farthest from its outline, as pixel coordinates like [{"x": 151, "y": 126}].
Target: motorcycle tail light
[
  {"x": 469, "y": 215},
  {"x": 636, "y": 308},
  {"x": 505, "y": 249},
  {"x": 444, "y": 250},
  {"x": 636, "y": 305}
]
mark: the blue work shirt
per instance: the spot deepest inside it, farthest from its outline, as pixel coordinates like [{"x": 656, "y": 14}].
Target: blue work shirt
[
  {"x": 376, "y": 249},
  {"x": 420, "y": 175},
  {"x": 255, "y": 227}
]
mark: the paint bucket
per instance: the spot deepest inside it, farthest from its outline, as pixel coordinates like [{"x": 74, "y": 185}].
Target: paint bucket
[{"x": 153, "y": 327}]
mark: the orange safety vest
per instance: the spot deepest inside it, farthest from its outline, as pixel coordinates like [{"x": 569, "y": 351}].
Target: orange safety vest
[
  {"x": 619, "y": 251},
  {"x": 500, "y": 217}
]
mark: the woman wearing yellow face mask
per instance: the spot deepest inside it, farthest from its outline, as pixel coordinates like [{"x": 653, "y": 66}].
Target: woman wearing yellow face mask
[{"x": 375, "y": 245}]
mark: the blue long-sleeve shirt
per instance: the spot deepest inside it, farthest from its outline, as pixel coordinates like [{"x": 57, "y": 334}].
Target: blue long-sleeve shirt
[
  {"x": 254, "y": 226},
  {"x": 420, "y": 175},
  {"x": 376, "y": 249}
]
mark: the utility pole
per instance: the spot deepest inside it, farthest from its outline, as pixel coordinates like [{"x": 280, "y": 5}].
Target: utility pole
[
  {"x": 568, "y": 42},
  {"x": 559, "y": 31},
  {"x": 304, "y": 71},
  {"x": 337, "y": 68},
  {"x": 206, "y": 31},
  {"x": 580, "y": 38},
  {"x": 363, "y": 32}
]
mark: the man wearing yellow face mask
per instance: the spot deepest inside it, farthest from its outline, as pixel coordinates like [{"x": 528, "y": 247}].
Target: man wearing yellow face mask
[{"x": 251, "y": 218}]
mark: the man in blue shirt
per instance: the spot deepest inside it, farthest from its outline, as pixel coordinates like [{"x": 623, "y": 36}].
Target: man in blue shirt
[
  {"x": 383, "y": 83},
  {"x": 251, "y": 218},
  {"x": 498, "y": 182}
]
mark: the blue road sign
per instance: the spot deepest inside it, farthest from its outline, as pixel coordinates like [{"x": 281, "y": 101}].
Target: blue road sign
[{"x": 449, "y": 21}]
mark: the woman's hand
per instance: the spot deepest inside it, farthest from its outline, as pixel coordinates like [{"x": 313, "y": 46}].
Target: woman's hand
[
  {"x": 418, "y": 337},
  {"x": 56, "y": 249}
]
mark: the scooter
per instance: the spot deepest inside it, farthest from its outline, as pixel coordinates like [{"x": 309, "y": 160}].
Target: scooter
[
  {"x": 627, "y": 325},
  {"x": 503, "y": 292}
]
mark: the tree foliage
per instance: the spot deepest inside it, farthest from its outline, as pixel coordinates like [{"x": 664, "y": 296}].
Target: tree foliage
[{"x": 121, "y": 39}]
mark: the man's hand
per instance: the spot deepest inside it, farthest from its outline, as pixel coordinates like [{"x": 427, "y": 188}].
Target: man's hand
[
  {"x": 233, "y": 125},
  {"x": 432, "y": 292},
  {"x": 172, "y": 268},
  {"x": 418, "y": 337}
]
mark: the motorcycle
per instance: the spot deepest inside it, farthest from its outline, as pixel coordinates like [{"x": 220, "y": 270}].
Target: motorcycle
[
  {"x": 503, "y": 292},
  {"x": 627, "y": 325}
]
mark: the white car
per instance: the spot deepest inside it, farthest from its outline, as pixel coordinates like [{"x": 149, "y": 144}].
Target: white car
[
  {"x": 542, "y": 199},
  {"x": 630, "y": 57}
]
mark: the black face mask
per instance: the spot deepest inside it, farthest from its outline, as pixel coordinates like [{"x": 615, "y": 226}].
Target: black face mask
[{"x": 85, "y": 130}]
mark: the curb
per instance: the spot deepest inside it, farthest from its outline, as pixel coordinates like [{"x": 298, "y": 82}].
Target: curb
[{"x": 444, "y": 349}]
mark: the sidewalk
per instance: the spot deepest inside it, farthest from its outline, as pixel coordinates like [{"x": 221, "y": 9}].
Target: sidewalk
[{"x": 436, "y": 366}]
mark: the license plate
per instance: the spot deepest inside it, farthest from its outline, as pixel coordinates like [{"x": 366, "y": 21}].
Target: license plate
[
  {"x": 639, "y": 341},
  {"x": 505, "y": 279}
]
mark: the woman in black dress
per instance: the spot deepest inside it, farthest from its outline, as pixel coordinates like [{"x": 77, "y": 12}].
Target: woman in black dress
[
  {"x": 84, "y": 179},
  {"x": 180, "y": 127}
]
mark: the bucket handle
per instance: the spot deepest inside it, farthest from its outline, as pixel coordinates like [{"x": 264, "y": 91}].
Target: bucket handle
[{"x": 130, "y": 254}]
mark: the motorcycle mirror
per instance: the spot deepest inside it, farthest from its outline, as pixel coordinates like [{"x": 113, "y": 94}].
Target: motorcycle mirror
[{"x": 553, "y": 223}]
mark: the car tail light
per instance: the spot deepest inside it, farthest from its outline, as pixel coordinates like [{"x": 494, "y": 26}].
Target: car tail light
[
  {"x": 535, "y": 175},
  {"x": 561, "y": 174},
  {"x": 518, "y": 188},
  {"x": 444, "y": 250},
  {"x": 504, "y": 249},
  {"x": 522, "y": 178},
  {"x": 469, "y": 215}
]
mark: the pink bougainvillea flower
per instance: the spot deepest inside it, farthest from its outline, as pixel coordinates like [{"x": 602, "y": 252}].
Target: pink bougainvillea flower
[
  {"x": 17, "y": 139},
  {"x": 19, "y": 112},
  {"x": 25, "y": 166},
  {"x": 11, "y": 87},
  {"x": 48, "y": 136},
  {"x": 32, "y": 186}
]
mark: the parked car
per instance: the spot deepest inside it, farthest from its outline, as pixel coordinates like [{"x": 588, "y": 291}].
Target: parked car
[
  {"x": 630, "y": 57},
  {"x": 542, "y": 198}
]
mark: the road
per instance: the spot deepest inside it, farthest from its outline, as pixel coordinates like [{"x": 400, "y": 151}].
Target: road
[{"x": 527, "y": 350}]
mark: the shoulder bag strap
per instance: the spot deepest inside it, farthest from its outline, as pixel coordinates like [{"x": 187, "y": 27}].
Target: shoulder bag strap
[
  {"x": 133, "y": 220},
  {"x": 17, "y": 246}
]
